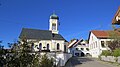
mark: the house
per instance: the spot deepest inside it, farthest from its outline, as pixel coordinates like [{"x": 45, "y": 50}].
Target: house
[
  {"x": 99, "y": 41},
  {"x": 78, "y": 47},
  {"x": 49, "y": 40}
]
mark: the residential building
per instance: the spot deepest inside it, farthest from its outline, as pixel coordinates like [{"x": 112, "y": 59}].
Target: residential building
[
  {"x": 78, "y": 47},
  {"x": 99, "y": 41},
  {"x": 49, "y": 40}
]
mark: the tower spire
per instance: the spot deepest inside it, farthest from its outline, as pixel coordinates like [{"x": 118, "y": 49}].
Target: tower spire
[{"x": 54, "y": 23}]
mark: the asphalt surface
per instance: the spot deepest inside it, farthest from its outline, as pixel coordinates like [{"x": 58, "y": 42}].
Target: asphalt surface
[{"x": 87, "y": 62}]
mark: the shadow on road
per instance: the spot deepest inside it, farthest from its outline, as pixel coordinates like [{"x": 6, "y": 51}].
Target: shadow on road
[{"x": 72, "y": 62}]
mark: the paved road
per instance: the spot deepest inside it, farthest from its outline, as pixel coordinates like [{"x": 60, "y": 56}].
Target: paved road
[{"x": 86, "y": 62}]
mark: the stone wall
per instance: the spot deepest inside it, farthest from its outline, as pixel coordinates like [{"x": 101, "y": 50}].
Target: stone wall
[
  {"x": 63, "y": 58},
  {"x": 118, "y": 59},
  {"x": 60, "y": 58},
  {"x": 110, "y": 59}
]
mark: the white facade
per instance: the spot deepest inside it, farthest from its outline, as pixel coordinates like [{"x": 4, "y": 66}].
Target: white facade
[
  {"x": 78, "y": 48},
  {"x": 83, "y": 48},
  {"x": 95, "y": 45},
  {"x": 53, "y": 45}
]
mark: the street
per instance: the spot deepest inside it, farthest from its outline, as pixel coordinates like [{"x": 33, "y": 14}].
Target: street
[{"x": 86, "y": 62}]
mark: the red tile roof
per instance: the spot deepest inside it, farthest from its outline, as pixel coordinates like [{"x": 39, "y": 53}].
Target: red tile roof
[
  {"x": 100, "y": 34},
  {"x": 104, "y": 34}
]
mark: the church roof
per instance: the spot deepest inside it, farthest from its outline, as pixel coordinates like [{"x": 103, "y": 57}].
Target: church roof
[{"x": 39, "y": 34}]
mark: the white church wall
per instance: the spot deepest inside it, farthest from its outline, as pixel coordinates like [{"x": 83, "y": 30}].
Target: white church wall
[
  {"x": 60, "y": 42},
  {"x": 52, "y": 44}
]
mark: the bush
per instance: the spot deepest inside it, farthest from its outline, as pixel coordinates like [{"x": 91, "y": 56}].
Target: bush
[
  {"x": 106, "y": 53},
  {"x": 46, "y": 62},
  {"x": 116, "y": 52}
]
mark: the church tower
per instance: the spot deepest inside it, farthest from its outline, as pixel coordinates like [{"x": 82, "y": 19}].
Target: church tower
[{"x": 54, "y": 23}]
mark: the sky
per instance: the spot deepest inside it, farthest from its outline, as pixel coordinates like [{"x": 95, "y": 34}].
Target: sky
[{"x": 77, "y": 17}]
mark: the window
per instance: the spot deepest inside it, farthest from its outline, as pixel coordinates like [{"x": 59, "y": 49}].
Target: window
[
  {"x": 40, "y": 46},
  {"x": 102, "y": 43},
  {"x": 58, "y": 46},
  {"x": 32, "y": 46},
  {"x": 64, "y": 48},
  {"x": 47, "y": 46},
  {"x": 92, "y": 38},
  {"x": 53, "y": 26},
  {"x": 83, "y": 44},
  {"x": 90, "y": 46},
  {"x": 87, "y": 49},
  {"x": 93, "y": 45},
  {"x": 82, "y": 48},
  {"x": 77, "y": 49},
  {"x": 108, "y": 42},
  {"x": 96, "y": 43}
]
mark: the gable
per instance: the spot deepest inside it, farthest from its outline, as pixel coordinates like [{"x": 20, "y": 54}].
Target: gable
[
  {"x": 116, "y": 18},
  {"x": 92, "y": 37}
]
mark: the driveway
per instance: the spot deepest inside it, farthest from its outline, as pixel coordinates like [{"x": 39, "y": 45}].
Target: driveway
[{"x": 86, "y": 62}]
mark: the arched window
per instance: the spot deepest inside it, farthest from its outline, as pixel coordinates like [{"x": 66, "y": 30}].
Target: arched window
[
  {"x": 40, "y": 46},
  {"x": 32, "y": 46},
  {"x": 53, "y": 26},
  {"x": 47, "y": 46},
  {"x": 58, "y": 46}
]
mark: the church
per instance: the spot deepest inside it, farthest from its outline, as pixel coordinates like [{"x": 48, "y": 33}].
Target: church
[{"x": 46, "y": 40}]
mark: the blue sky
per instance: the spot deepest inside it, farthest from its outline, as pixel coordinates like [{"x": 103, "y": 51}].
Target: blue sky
[{"x": 77, "y": 17}]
